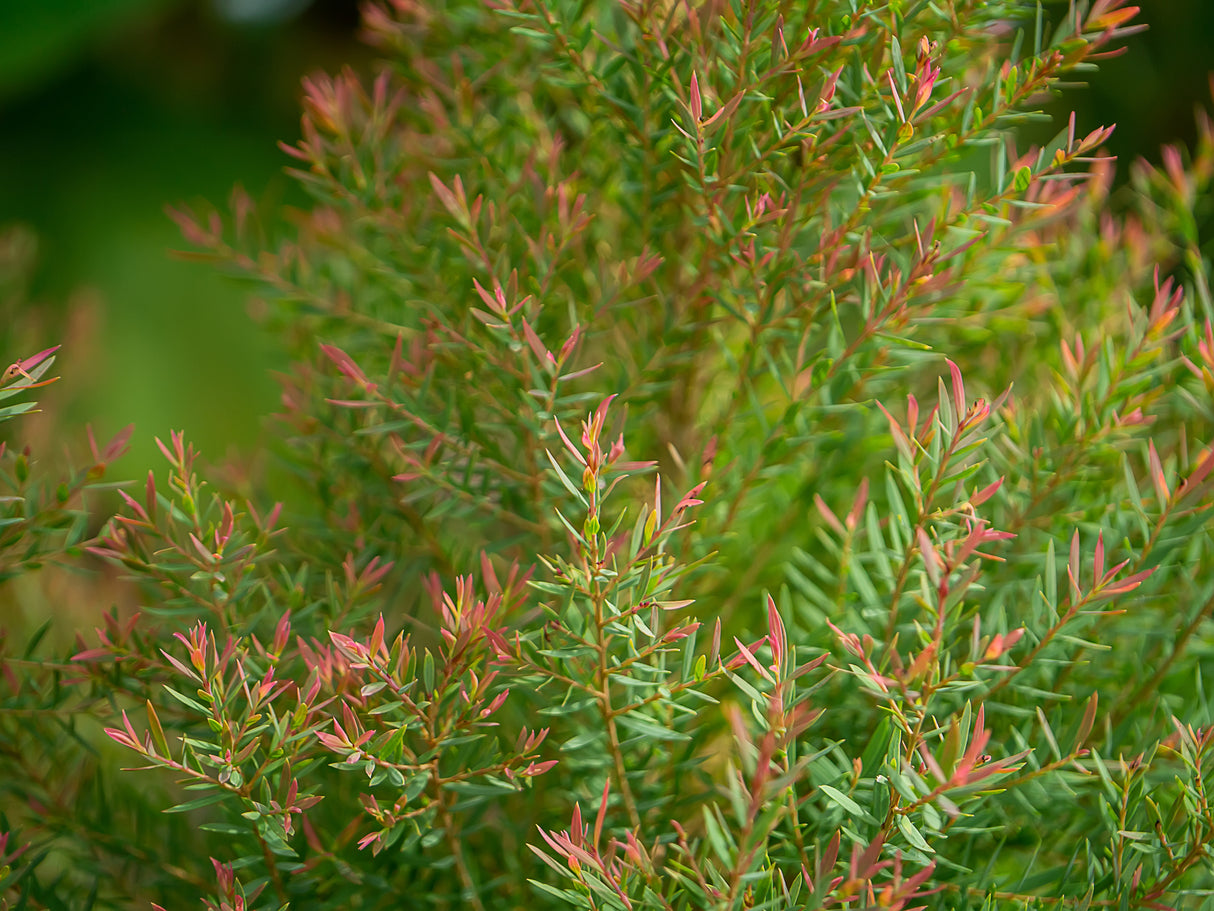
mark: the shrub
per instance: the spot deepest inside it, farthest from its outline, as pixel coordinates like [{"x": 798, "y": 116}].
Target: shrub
[{"x": 909, "y": 603}]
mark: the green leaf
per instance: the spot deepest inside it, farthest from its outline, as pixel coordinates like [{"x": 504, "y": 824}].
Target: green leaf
[
  {"x": 638, "y": 724},
  {"x": 1051, "y": 577},
  {"x": 844, "y": 801},
  {"x": 913, "y": 835},
  {"x": 718, "y": 837},
  {"x": 187, "y": 701},
  {"x": 574, "y": 489},
  {"x": 534, "y": 34},
  {"x": 415, "y": 786},
  {"x": 223, "y": 828},
  {"x": 428, "y": 671},
  {"x": 877, "y": 750},
  {"x": 213, "y": 798},
  {"x": 581, "y": 741}
]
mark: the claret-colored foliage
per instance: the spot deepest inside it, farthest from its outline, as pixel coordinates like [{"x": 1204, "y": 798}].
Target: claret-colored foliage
[{"x": 720, "y": 468}]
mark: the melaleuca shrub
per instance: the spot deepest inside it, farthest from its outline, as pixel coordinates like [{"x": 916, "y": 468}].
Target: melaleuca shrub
[{"x": 721, "y": 471}]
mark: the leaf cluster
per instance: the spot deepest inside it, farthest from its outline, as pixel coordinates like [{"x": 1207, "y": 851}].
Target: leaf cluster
[{"x": 928, "y": 621}]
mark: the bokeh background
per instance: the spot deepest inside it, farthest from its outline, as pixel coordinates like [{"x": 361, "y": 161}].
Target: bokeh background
[{"x": 111, "y": 109}]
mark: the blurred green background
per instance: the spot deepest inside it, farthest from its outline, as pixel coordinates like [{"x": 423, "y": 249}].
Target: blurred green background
[{"x": 109, "y": 109}]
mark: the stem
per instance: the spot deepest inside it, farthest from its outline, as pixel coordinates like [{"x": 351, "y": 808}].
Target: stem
[
  {"x": 272, "y": 868},
  {"x": 609, "y": 715},
  {"x": 450, "y": 828},
  {"x": 924, "y": 509}
]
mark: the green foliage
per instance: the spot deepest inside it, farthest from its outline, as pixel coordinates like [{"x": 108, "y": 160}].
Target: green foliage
[{"x": 929, "y": 620}]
